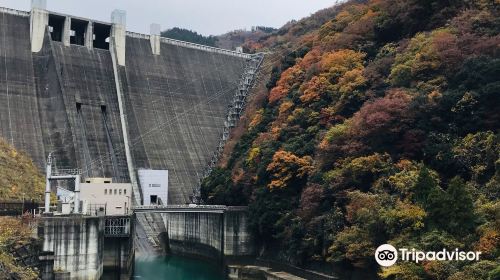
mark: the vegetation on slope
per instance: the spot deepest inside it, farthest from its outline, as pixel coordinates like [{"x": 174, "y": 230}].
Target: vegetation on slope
[
  {"x": 19, "y": 177},
  {"x": 189, "y": 36},
  {"x": 14, "y": 233},
  {"x": 237, "y": 38},
  {"x": 381, "y": 125}
]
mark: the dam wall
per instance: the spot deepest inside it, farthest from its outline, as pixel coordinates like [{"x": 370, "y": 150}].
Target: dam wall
[
  {"x": 110, "y": 102},
  {"x": 185, "y": 92},
  {"x": 210, "y": 232},
  {"x": 19, "y": 107}
]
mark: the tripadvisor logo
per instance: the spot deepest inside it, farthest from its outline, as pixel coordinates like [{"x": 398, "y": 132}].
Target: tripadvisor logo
[{"x": 387, "y": 255}]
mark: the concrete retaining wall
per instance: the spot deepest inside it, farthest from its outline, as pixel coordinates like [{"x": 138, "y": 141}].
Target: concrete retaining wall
[
  {"x": 79, "y": 248},
  {"x": 214, "y": 234},
  {"x": 118, "y": 256},
  {"x": 237, "y": 238},
  {"x": 198, "y": 234},
  {"x": 77, "y": 243}
]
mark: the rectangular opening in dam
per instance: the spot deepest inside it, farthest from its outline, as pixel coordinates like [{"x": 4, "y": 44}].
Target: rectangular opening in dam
[
  {"x": 78, "y": 31},
  {"x": 56, "y": 27},
  {"x": 102, "y": 32}
]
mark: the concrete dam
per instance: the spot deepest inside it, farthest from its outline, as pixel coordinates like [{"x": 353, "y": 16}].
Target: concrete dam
[{"x": 112, "y": 102}]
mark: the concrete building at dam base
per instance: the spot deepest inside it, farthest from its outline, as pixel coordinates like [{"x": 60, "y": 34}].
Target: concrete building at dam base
[{"x": 125, "y": 126}]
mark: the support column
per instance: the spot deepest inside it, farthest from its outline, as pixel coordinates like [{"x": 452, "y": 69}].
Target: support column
[
  {"x": 39, "y": 19},
  {"x": 48, "y": 174},
  {"x": 77, "y": 194},
  {"x": 117, "y": 50},
  {"x": 155, "y": 38},
  {"x": 89, "y": 36},
  {"x": 66, "y": 36},
  {"x": 118, "y": 32}
]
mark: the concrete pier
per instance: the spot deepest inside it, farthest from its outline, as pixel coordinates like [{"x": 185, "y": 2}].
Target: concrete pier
[
  {"x": 83, "y": 247},
  {"x": 77, "y": 244}
]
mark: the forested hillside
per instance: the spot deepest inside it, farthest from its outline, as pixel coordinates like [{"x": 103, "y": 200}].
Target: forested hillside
[
  {"x": 189, "y": 36},
  {"x": 19, "y": 177},
  {"x": 380, "y": 124}
]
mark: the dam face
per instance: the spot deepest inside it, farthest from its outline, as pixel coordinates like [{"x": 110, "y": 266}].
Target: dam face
[{"x": 111, "y": 102}]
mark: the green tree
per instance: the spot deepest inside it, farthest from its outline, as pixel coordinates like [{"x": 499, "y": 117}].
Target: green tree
[
  {"x": 460, "y": 206},
  {"x": 424, "y": 186},
  {"x": 189, "y": 36},
  {"x": 453, "y": 209}
]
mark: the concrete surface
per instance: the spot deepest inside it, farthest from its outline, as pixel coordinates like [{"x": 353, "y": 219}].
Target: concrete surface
[{"x": 66, "y": 100}]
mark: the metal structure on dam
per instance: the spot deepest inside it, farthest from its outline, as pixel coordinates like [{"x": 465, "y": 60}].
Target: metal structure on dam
[{"x": 110, "y": 102}]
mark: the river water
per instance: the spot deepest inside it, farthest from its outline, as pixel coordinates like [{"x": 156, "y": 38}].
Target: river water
[{"x": 176, "y": 268}]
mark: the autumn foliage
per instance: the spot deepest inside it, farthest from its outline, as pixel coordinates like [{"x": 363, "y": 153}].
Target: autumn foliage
[
  {"x": 286, "y": 166},
  {"x": 381, "y": 126}
]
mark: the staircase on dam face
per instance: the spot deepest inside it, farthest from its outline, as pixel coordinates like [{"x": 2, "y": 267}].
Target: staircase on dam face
[{"x": 235, "y": 111}]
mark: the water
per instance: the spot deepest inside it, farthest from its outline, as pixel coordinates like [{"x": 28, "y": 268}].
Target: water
[{"x": 176, "y": 268}]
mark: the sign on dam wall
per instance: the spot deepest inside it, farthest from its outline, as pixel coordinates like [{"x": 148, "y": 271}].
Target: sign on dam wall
[{"x": 111, "y": 102}]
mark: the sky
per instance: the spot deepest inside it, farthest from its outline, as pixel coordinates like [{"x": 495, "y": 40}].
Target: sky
[{"x": 208, "y": 17}]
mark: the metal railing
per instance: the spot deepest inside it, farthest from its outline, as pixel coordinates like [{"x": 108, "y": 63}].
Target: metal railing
[
  {"x": 190, "y": 206},
  {"x": 95, "y": 209},
  {"x": 64, "y": 172},
  {"x": 191, "y": 45},
  {"x": 117, "y": 227}
]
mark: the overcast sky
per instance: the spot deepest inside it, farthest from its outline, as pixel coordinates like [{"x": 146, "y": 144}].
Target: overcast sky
[{"x": 209, "y": 17}]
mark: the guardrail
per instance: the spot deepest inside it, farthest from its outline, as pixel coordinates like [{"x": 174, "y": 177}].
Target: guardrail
[
  {"x": 187, "y": 208},
  {"x": 191, "y": 45},
  {"x": 17, "y": 208},
  {"x": 181, "y": 207}
]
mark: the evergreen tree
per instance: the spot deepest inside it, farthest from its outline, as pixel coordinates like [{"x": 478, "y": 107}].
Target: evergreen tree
[
  {"x": 451, "y": 210},
  {"x": 424, "y": 186},
  {"x": 460, "y": 207}
]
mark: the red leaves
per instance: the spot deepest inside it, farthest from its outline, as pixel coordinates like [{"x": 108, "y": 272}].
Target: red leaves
[{"x": 387, "y": 113}]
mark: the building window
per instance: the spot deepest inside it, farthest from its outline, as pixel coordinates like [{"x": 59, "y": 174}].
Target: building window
[
  {"x": 154, "y": 185},
  {"x": 115, "y": 191},
  {"x": 153, "y": 199},
  {"x": 120, "y": 191},
  {"x": 125, "y": 191},
  {"x": 105, "y": 191}
]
